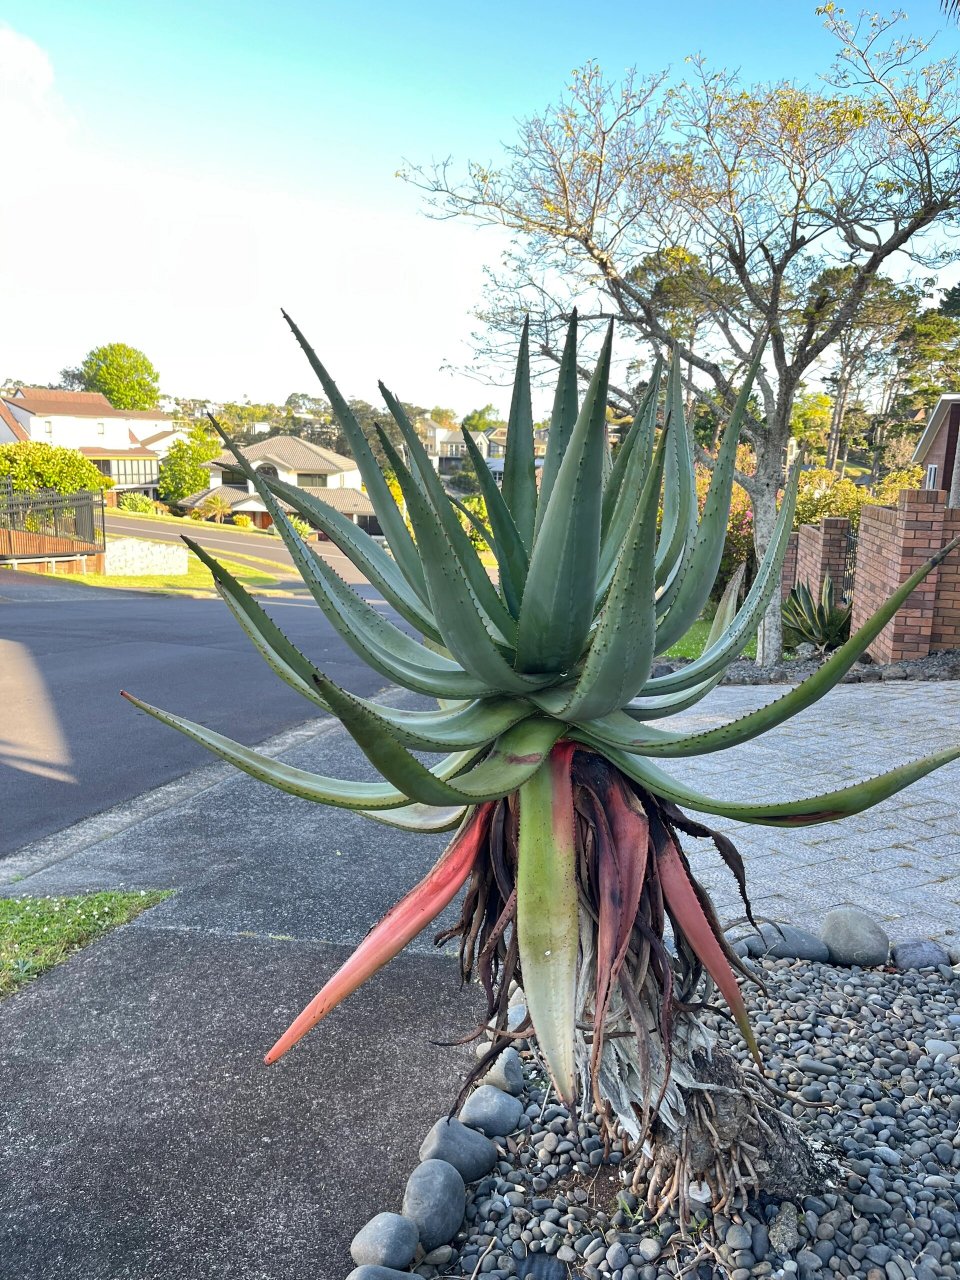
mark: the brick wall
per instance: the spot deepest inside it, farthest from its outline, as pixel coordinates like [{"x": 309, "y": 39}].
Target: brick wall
[
  {"x": 789, "y": 578},
  {"x": 894, "y": 543}
]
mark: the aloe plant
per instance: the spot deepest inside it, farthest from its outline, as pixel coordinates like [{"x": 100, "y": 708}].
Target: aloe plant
[
  {"x": 822, "y": 623},
  {"x": 550, "y": 729}
]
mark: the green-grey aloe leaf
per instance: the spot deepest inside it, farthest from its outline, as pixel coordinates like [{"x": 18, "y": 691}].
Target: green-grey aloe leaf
[
  {"x": 557, "y": 608},
  {"x": 460, "y": 544},
  {"x": 563, "y": 418},
  {"x": 640, "y": 437},
  {"x": 789, "y": 813},
  {"x": 362, "y": 552},
  {"x": 679, "y": 528},
  {"x": 621, "y": 647},
  {"x": 722, "y": 649},
  {"x": 519, "y": 468},
  {"x": 808, "y": 691},
  {"x": 512, "y": 558},
  {"x": 462, "y": 625},
  {"x": 422, "y": 818},
  {"x": 683, "y": 600},
  {"x": 388, "y": 513},
  {"x": 639, "y": 446}
]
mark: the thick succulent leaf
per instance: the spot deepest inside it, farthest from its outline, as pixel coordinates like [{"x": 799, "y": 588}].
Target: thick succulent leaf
[
  {"x": 790, "y": 813},
  {"x": 679, "y": 527},
  {"x": 388, "y": 513},
  {"x": 382, "y": 645},
  {"x": 621, "y": 648},
  {"x": 639, "y": 447},
  {"x": 399, "y": 926},
  {"x": 464, "y": 550},
  {"x": 640, "y": 437},
  {"x": 557, "y": 608},
  {"x": 619, "y": 728},
  {"x": 422, "y": 818},
  {"x": 464, "y": 627},
  {"x": 519, "y": 472},
  {"x": 474, "y": 520},
  {"x": 721, "y": 650},
  {"x": 684, "y": 906},
  {"x": 512, "y": 559},
  {"x": 802, "y": 695},
  {"x": 683, "y": 600},
  {"x": 338, "y": 792},
  {"x": 380, "y": 743},
  {"x": 362, "y": 551},
  {"x": 547, "y": 914},
  {"x": 280, "y": 654},
  {"x": 563, "y": 418}
]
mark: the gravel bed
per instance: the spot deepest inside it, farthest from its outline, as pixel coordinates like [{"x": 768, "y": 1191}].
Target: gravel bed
[
  {"x": 881, "y": 1048},
  {"x": 938, "y": 666}
]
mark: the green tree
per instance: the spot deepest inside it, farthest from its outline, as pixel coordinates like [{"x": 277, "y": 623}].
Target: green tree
[
  {"x": 182, "y": 471},
  {"x": 928, "y": 359},
  {"x": 121, "y": 373},
  {"x": 810, "y": 419},
  {"x": 33, "y": 464},
  {"x": 950, "y": 302},
  {"x": 216, "y": 507},
  {"x": 767, "y": 185},
  {"x": 485, "y": 419}
]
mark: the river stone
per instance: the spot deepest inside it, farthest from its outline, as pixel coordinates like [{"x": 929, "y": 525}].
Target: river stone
[
  {"x": 918, "y": 954},
  {"x": 934, "y": 1047},
  {"x": 492, "y": 1111},
  {"x": 435, "y": 1199},
  {"x": 506, "y": 1073},
  {"x": 787, "y": 942},
  {"x": 388, "y": 1240},
  {"x": 470, "y": 1153},
  {"x": 370, "y": 1272},
  {"x": 784, "y": 1236},
  {"x": 853, "y": 938}
]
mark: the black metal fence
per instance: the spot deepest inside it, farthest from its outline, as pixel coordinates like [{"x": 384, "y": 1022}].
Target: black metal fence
[
  {"x": 46, "y": 525},
  {"x": 850, "y": 562}
]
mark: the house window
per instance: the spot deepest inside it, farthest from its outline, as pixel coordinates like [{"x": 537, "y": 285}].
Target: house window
[
  {"x": 311, "y": 480},
  {"x": 101, "y": 428},
  {"x": 931, "y": 480},
  {"x": 135, "y": 471},
  {"x": 48, "y": 427}
]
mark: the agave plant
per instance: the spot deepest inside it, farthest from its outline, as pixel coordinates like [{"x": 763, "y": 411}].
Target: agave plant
[
  {"x": 550, "y": 726},
  {"x": 822, "y": 623}
]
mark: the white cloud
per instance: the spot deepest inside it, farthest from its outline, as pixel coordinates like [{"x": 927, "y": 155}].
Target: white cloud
[{"x": 96, "y": 247}]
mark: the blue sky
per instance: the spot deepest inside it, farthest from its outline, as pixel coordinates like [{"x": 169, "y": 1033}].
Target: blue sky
[{"x": 247, "y": 155}]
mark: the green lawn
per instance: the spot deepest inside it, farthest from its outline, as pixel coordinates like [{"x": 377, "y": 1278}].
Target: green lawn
[
  {"x": 691, "y": 645},
  {"x": 37, "y": 933},
  {"x": 197, "y": 578}
]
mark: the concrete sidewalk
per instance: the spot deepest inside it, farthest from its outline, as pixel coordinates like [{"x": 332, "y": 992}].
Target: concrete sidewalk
[{"x": 140, "y": 1135}]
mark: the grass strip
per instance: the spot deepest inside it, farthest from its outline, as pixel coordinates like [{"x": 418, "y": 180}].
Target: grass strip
[{"x": 38, "y": 933}]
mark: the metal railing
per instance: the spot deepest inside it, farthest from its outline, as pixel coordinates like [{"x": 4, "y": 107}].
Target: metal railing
[
  {"x": 850, "y": 563},
  {"x": 48, "y": 525}
]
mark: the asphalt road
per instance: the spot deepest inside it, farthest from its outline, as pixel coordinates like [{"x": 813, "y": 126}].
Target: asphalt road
[
  {"x": 225, "y": 542},
  {"x": 70, "y": 747}
]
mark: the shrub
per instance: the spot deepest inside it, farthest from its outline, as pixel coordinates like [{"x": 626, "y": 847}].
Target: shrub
[
  {"x": 33, "y": 464},
  {"x": 243, "y": 522},
  {"x": 302, "y": 527},
  {"x": 138, "y": 502},
  {"x": 885, "y": 493},
  {"x": 195, "y": 514}
]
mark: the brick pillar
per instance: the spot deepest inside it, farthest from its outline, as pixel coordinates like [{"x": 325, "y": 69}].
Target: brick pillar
[
  {"x": 894, "y": 543},
  {"x": 945, "y": 631},
  {"x": 822, "y": 549},
  {"x": 789, "y": 577}
]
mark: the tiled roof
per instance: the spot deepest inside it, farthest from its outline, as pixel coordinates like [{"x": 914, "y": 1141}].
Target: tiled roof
[
  {"x": 349, "y": 502},
  {"x": 293, "y": 454},
  {"x": 228, "y": 491},
  {"x": 8, "y": 420},
  {"x": 77, "y": 404},
  {"x": 100, "y": 451}
]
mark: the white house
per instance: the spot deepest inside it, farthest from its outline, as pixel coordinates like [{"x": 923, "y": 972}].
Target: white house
[
  {"x": 329, "y": 476},
  {"x": 84, "y": 420}
]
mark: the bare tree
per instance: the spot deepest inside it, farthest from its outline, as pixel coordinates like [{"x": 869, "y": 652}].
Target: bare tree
[{"x": 764, "y": 187}]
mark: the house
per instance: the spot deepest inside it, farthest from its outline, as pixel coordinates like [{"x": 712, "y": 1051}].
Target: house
[
  {"x": 86, "y": 421},
  {"x": 937, "y": 448},
  {"x": 329, "y": 476},
  {"x": 446, "y": 449},
  {"x": 161, "y": 441}
]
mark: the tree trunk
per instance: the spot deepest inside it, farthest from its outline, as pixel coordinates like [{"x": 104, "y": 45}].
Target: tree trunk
[
  {"x": 766, "y": 483},
  {"x": 836, "y": 425}
]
